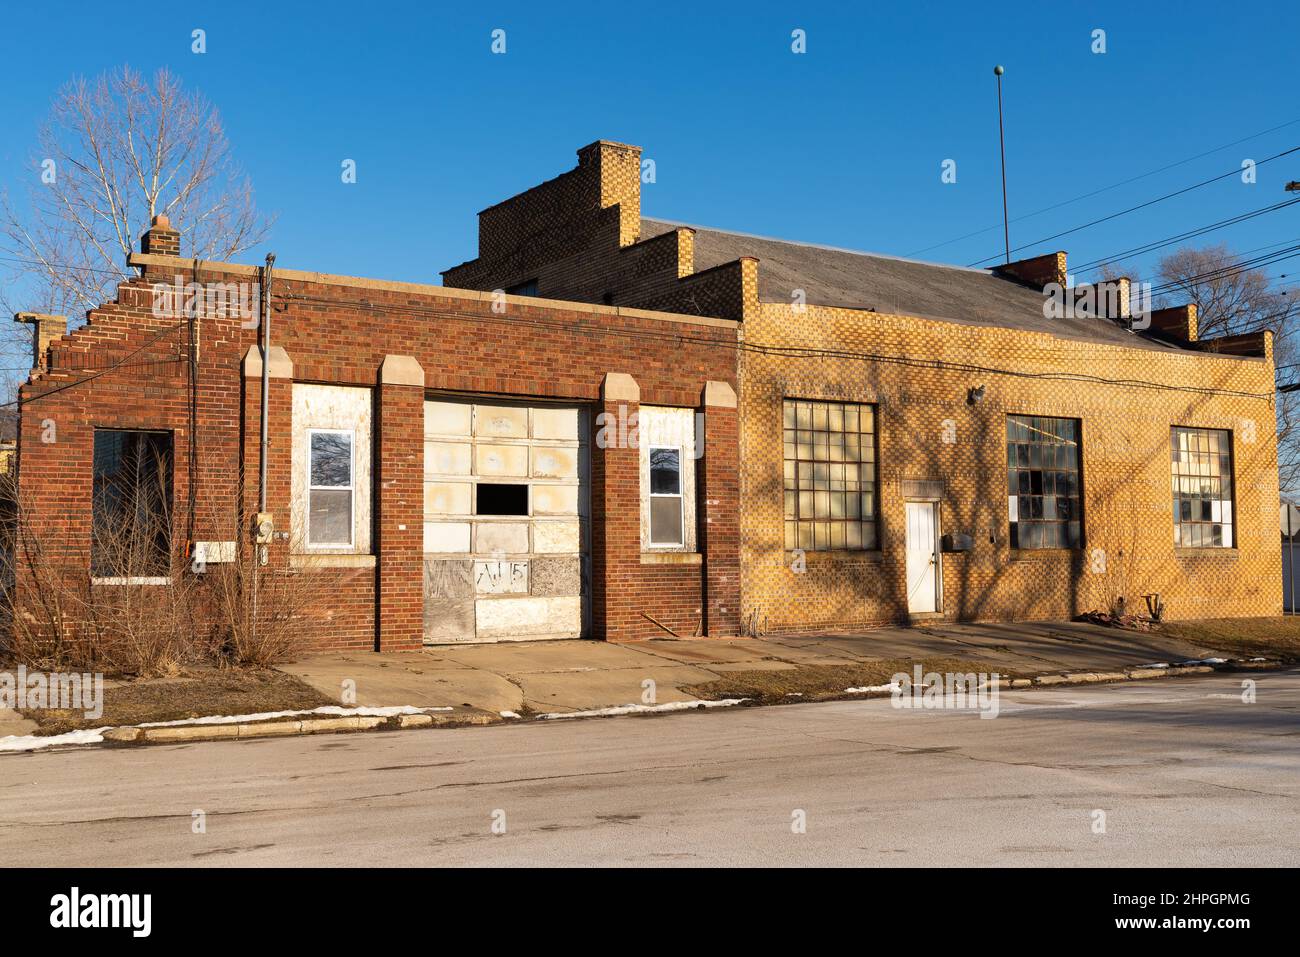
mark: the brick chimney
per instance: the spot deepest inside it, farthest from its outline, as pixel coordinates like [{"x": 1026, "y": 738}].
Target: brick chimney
[
  {"x": 1176, "y": 322},
  {"x": 1038, "y": 271},
  {"x": 46, "y": 329},
  {"x": 160, "y": 239},
  {"x": 618, "y": 175}
]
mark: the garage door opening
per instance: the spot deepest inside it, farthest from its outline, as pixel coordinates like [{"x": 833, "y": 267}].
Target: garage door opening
[{"x": 506, "y": 506}]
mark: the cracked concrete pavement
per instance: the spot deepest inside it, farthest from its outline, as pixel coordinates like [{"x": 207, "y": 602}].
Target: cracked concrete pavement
[
  {"x": 1186, "y": 771},
  {"x": 562, "y": 676}
]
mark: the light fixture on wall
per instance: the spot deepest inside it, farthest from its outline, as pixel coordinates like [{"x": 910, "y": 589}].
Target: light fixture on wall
[{"x": 974, "y": 394}]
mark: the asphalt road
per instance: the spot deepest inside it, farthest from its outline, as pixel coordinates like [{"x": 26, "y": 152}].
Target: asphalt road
[{"x": 1185, "y": 771}]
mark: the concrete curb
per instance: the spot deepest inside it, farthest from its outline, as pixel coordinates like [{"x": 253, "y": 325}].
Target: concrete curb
[
  {"x": 468, "y": 716},
  {"x": 1169, "y": 670},
  {"x": 268, "y": 729}
]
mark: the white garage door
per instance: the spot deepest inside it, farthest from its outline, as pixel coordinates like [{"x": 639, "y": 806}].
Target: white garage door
[{"x": 506, "y": 501}]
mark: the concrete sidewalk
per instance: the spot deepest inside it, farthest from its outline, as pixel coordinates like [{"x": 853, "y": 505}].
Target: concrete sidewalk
[{"x": 564, "y": 676}]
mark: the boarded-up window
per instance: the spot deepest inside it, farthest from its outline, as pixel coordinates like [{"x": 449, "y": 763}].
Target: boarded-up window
[
  {"x": 830, "y": 476},
  {"x": 131, "y": 510},
  {"x": 668, "y": 455},
  {"x": 1202, "y": 481}
]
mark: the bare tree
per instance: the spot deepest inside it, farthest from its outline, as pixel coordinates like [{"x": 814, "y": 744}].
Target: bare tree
[
  {"x": 115, "y": 152},
  {"x": 1232, "y": 298}
]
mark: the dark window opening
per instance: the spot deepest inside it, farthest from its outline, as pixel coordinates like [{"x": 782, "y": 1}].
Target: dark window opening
[
  {"x": 131, "y": 504},
  {"x": 494, "y": 499},
  {"x": 1044, "y": 491},
  {"x": 607, "y": 298},
  {"x": 528, "y": 288}
]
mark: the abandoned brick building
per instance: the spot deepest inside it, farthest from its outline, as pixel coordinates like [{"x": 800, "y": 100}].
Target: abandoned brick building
[
  {"x": 620, "y": 427},
  {"x": 922, "y": 440},
  {"x": 450, "y": 465}
]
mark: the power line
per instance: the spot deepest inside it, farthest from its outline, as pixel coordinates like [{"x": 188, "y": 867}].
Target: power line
[
  {"x": 1133, "y": 209},
  {"x": 1190, "y": 234},
  {"x": 1096, "y": 192}
]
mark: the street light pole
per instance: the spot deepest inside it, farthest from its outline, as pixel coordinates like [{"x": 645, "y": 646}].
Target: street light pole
[{"x": 1002, "y": 146}]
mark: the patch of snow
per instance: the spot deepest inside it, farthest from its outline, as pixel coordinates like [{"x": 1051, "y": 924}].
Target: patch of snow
[
  {"x": 34, "y": 742},
  {"x": 643, "y": 708},
  {"x": 331, "y": 710},
  {"x": 892, "y": 687},
  {"x": 1206, "y": 661},
  {"x": 508, "y": 714},
  {"x": 1259, "y": 659},
  {"x": 1154, "y": 664}
]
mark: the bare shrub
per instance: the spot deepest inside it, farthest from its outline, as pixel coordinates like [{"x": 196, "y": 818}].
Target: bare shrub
[{"x": 257, "y": 616}]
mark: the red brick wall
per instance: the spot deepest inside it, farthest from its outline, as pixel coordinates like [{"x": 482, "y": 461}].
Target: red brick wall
[{"x": 127, "y": 369}]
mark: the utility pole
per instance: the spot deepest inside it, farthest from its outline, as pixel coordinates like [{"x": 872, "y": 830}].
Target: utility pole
[{"x": 1002, "y": 146}]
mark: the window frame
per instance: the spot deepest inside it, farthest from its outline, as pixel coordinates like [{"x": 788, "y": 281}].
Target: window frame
[
  {"x": 680, "y": 495},
  {"x": 868, "y": 454},
  {"x": 1080, "y": 495},
  {"x": 163, "y": 574},
  {"x": 351, "y": 488},
  {"x": 1231, "y": 499}
]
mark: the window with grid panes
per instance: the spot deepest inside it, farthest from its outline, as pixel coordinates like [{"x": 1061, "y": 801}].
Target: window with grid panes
[
  {"x": 1044, "y": 490},
  {"x": 830, "y": 476},
  {"x": 1202, "y": 480}
]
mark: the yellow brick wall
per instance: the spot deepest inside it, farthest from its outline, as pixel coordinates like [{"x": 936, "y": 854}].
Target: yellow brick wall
[{"x": 1127, "y": 498}]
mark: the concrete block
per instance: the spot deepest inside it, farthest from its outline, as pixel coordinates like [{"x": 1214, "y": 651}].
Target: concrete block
[
  {"x": 270, "y": 729},
  {"x": 447, "y": 498},
  {"x": 123, "y": 735},
  {"x": 446, "y": 458},
  {"x": 1050, "y": 680},
  {"x": 414, "y": 720},
  {"x": 191, "y": 732},
  {"x": 501, "y": 421},
  {"x": 556, "y": 576},
  {"x": 446, "y": 536},
  {"x": 501, "y": 460},
  {"x": 347, "y": 723},
  {"x": 501, "y": 578},
  {"x": 554, "y": 462},
  {"x": 526, "y": 618},
  {"x": 556, "y": 423},
  {"x": 555, "y": 500},
  {"x": 556, "y": 537},
  {"x": 508, "y": 538},
  {"x": 447, "y": 418},
  {"x": 1148, "y": 672}
]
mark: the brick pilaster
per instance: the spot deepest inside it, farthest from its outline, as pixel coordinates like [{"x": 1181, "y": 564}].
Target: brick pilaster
[
  {"x": 399, "y": 519},
  {"x": 615, "y": 507},
  {"x": 279, "y": 471},
  {"x": 719, "y": 502}
]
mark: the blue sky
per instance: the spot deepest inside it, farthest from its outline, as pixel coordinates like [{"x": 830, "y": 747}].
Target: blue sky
[{"x": 842, "y": 145}]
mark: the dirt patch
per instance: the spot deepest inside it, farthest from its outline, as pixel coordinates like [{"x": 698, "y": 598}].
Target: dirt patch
[
  {"x": 194, "y": 695},
  {"x": 823, "y": 682},
  {"x": 1242, "y": 637}
]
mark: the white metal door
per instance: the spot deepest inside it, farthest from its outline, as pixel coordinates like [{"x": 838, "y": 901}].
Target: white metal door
[{"x": 922, "y": 557}]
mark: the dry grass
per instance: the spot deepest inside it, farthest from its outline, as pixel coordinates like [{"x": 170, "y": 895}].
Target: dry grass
[
  {"x": 822, "y": 682},
  {"x": 193, "y": 695},
  {"x": 1242, "y": 637}
]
